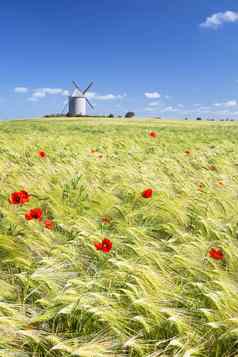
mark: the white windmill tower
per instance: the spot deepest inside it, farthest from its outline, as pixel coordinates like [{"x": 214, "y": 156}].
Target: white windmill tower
[{"x": 77, "y": 101}]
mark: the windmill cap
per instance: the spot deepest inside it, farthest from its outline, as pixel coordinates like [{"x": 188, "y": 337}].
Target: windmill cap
[{"x": 77, "y": 93}]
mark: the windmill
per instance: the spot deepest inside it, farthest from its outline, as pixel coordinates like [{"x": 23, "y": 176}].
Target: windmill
[{"x": 77, "y": 101}]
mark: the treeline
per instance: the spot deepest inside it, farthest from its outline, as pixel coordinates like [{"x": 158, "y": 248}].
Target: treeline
[
  {"x": 208, "y": 119},
  {"x": 127, "y": 115}
]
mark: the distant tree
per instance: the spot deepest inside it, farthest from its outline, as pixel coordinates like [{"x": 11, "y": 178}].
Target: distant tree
[
  {"x": 110, "y": 116},
  {"x": 129, "y": 114},
  {"x": 186, "y": 119},
  {"x": 54, "y": 115},
  {"x": 198, "y": 118}
]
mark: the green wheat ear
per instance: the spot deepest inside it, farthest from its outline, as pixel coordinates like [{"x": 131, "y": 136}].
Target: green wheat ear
[{"x": 157, "y": 292}]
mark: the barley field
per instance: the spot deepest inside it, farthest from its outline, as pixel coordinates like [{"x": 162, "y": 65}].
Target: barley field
[{"x": 118, "y": 238}]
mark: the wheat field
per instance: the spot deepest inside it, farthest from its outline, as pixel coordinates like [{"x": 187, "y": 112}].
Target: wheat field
[{"x": 158, "y": 291}]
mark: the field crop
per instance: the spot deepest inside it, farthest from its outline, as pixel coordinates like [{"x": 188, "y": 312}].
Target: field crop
[{"x": 165, "y": 197}]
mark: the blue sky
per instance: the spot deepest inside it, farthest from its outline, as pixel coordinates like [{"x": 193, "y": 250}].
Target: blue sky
[{"x": 168, "y": 58}]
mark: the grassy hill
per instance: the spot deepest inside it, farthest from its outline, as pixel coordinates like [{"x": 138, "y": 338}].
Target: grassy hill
[{"x": 158, "y": 291}]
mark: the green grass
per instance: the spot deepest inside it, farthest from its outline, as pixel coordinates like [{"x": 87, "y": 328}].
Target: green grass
[{"x": 157, "y": 293}]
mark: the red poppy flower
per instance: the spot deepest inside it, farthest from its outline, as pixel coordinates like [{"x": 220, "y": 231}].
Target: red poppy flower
[
  {"x": 49, "y": 224},
  {"x": 152, "y": 134},
  {"x": 105, "y": 245},
  {"x": 34, "y": 213},
  {"x": 19, "y": 197},
  {"x": 106, "y": 220},
  {"x": 216, "y": 253},
  {"x": 41, "y": 153},
  {"x": 188, "y": 152},
  {"x": 147, "y": 193}
]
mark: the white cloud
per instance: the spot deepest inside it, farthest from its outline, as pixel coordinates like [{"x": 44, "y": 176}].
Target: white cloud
[
  {"x": 231, "y": 103},
  {"x": 90, "y": 95},
  {"x": 65, "y": 92},
  {"x": 216, "y": 20},
  {"x": 20, "y": 90},
  {"x": 152, "y": 95},
  {"x": 38, "y": 94},
  {"x": 33, "y": 99},
  {"x": 93, "y": 95},
  {"x": 150, "y": 109},
  {"x": 180, "y": 105},
  {"x": 52, "y": 90},
  {"x": 204, "y": 108},
  {"x": 223, "y": 110},
  {"x": 106, "y": 97},
  {"x": 42, "y": 92},
  {"x": 153, "y": 104},
  {"x": 169, "y": 109}
]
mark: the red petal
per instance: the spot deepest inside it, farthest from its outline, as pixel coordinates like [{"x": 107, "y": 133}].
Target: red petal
[
  {"x": 147, "y": 193},
  {"x": 98, "y": 246},
  {"x": 106, "y": 245},
  {"x": 28, "y": 216},
  {"x": 216, "y": 254},
  {"x": 49, "y": 224}
]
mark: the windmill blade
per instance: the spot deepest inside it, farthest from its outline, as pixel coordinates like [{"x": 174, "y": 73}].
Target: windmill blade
[
  {"x": 89, "y": 86},
  {"x": 89, "y": 103},
  {"x": 64, "y": 108},
  {"x": 75, "y": 84}
]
